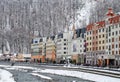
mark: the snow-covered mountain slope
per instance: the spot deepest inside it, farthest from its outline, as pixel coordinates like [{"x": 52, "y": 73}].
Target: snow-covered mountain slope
[{"x": 83, "y": 13}]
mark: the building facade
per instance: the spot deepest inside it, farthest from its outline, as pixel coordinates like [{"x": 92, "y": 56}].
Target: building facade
[
  {"x": 50, "y": 49},
  {"x": 103, "y": 41},
  {"x": 38, "y": 50},
  {"x": 77, "y": 46},
  {"x": 62, "y": 46}
]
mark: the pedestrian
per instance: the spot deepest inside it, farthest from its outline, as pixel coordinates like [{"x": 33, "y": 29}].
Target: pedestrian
[{"x": 13, "y": 62}]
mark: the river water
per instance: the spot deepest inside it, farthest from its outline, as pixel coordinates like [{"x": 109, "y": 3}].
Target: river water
[{"x": 27, "y": 77}]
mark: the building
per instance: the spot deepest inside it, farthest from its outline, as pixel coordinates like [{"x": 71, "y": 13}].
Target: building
[
  {"x": 113, "y": 41},
  {"x": 103, "y": 41},
  {"x": 89, "y": 42},
  {"x": 38, "y": 49},
  {"x": 63, "y": 46},
  {"x": 77, "y": 46},
  {"x": 50, "y": 49}
]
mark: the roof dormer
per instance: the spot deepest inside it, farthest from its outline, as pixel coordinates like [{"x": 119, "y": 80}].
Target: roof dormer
[{"x": 110, "y": 12}]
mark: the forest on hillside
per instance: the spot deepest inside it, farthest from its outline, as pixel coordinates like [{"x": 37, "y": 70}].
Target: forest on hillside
[{"x": 21, "y": 20}]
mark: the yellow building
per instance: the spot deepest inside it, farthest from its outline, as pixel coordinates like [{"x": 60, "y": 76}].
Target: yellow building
[{"x": 50, "y": 49}]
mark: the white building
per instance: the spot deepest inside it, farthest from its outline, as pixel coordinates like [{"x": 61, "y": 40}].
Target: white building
[
  {"x": 63, "y": 46},
  {"x": 78, "y": 46}
]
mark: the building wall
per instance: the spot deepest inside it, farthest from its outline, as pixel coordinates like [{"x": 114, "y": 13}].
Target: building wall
[
  {"x": 38, "y": 50},
  {"x": 89, "y": 42},
  {"x": 50, "y": 50},
  {"x": 62, "y": 47}
]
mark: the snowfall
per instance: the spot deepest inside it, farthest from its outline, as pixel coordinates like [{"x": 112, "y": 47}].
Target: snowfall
[{"x": 5, "y": 76}]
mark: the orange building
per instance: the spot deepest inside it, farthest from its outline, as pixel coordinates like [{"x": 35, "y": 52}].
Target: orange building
[
  {"x": 50, "y": 49},
  {"x": 38, "y": 50}
]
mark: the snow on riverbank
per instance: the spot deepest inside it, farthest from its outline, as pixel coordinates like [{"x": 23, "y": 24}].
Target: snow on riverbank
[
  {"x": 87, "y": 76},
  {"x": 78, "y": 74},
  {"x": 6, "y": 76}
]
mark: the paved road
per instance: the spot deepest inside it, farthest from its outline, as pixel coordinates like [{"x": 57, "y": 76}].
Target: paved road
[{"x": 22, "y": 75}]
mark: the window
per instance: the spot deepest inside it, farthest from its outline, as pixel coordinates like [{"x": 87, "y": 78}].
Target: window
[
  {"x": 109, "y": 34},
  {"x": 103, "y": 41},
  {"x": 103, "y": 36},
  {"x": 96, "y": 42},
  {"x": 116, "y": 26},
  {"x": 109, "y": 47},
  {"x": 112, "y": 45},
  {"x": 99, "y": 36},
  {"x": 103, "y": 47},
  {"x": 64, "y": 43},
  {"x": 109, "y": 40},
  {"x": 113, "y": 27},
  {"x": 103, "y": 30},
  {"x": 112, "y": 52},
  {"x": 64, "y": 52},
  {"x": 96, "y": 37},
  {"x": 99, "y": 30},
  {"x": 116, "y": 46},
  {"x": 106, "y": 40},
  {"x": 36, "y": 41},
  {"x": 109, "y": 28},
  {"x": 96, "y": 31},
  {"x": 116, "y": 32},
  {"x": 106, "y": 47},
  {"x": 113, "y": 33},
  {"x": 87, "y": 33},
  {"x": 87, "y": 49},
  {"x": 119, "y": 51},
  {"x": 87, "y": 38},
  {"x": 106, "y": 29},
  {"x": 96, "y": 48},
  {"x": 119, "y": 45},
  {"x": 64, "y": 39},
  {"x": 112, "y": 39},
  {"x": 90, "y": 32},
  {"x": 99, "y": 42},
  {"x": 90, "y": 38},
  {"x": 116, "y": 52},
  {"x": 99, "y": 48},
  {"x": 90, "y": 43},
  {"x": 64, "y": 48}
]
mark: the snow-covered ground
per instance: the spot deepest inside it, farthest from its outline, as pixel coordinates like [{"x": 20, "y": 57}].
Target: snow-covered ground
[
  {"x": 83, "y": 75},
  {"x": 78, "y": 74},
  {"x": 6, "y": 76}
]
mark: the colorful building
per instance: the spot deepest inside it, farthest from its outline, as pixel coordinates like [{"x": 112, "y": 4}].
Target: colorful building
[
  {"x": 38, "y": 50},
  {"x": 103, "y": 41},
  {"x": 50, "y": 49}
]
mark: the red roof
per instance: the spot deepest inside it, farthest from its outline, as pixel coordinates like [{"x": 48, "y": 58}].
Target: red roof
[
  {"x": 89, "y": 27},
  {"x": 101, "y": 24},
  {"x": 115, "y": 19}
]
